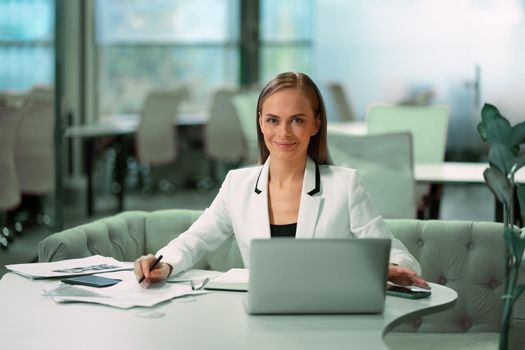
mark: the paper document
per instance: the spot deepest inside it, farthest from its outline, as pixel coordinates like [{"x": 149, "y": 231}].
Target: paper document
[
  {"x": 72, "y": 267},
  {"x": 233, "y": 279},
  {"x": 125, "y": 294}
]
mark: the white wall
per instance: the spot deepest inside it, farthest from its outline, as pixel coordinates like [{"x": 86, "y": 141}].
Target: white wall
[{"x": 383, "y": 50}]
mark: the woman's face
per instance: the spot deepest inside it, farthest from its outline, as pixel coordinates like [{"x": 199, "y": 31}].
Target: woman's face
[{"x": 287, "y": 121}]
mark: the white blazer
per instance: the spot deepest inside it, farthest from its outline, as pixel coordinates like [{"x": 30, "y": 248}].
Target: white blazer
[{"x": 334, "y": 204}]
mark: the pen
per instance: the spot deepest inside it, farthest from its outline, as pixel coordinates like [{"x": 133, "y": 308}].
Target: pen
[{"x": 151, "y": 268}]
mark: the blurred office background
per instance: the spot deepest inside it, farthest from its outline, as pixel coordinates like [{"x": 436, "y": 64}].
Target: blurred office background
[{"x": 93, "y": 60}]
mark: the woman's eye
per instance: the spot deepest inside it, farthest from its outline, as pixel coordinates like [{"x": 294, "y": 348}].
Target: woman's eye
[
  {"x": 298, "y": 120},
  {"x": 271, "y": 120}
]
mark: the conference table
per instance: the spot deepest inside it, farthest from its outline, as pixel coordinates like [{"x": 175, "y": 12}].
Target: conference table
[
  {"x": 121, "y": 127},
  {"x": 218, "y": 320}
]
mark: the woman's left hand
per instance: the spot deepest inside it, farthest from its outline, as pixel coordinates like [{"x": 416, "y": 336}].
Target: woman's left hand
[{"x": 405, "y": 276}]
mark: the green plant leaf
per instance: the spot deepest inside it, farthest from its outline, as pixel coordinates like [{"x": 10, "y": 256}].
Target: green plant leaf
[
  {"x": 499, "y": 130},
  {"x": 501, "y": 157},
  {"x": 482, "y": 130},
  {"x": 498, "y": 183},
  {"x": 518, "y": 134},
  {"x": 520, "y": 192},
  {"x": 489, "y": 112}
]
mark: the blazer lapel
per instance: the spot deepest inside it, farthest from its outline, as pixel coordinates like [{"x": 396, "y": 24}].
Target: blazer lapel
[
  {"x": 310, "y": 201},
  {"x": 260, "y": 217}
]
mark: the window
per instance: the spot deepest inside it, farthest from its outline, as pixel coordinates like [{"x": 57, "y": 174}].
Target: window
[
  {"x": 286, "y": 30},
  {"x": 26, "y": 43},
  {"x": 144, "y": 45}
]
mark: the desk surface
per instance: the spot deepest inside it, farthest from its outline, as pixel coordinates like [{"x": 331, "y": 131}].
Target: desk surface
[
  {"x": 217, "y": 320},
  {"x": 123, "y": 124},
  {"x": 353, "y": 127},
  {"x": 456, "y": 173}
]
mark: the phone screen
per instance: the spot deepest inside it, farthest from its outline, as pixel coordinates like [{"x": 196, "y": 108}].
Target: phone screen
[
  {"x": 410, "y": 292},
  {"x": 92, "y": 281}
]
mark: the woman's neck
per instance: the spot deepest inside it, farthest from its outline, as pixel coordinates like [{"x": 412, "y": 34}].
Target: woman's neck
[{"x": 283, "y": 173}]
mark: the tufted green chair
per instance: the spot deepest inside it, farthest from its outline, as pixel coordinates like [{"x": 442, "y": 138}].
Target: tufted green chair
[{"x": 465, "y": 256}]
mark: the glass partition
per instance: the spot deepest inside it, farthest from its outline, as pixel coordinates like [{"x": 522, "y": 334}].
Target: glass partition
[
  {"x": 163, "y": 43},
  {"x": 286, "y": 29},
  {"x": 26, "y": 42}
]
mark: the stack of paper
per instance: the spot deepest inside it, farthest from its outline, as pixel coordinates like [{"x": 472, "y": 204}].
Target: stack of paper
[
  {"x": 125, "y": 294},
  {"x": 72, "y": 267}
]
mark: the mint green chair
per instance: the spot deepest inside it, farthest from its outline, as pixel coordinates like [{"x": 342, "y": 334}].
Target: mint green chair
[
  {"x": 465, "y": 256},
  {"x": 385, "y": 164},
  {"x": 343, "y": 108},
  {"x": 131, "y": 234},
  {"x": 429, "y": 128},
  {"x": 156, "y": 138},
  {"x": 223, "y": 135},
  {"x": 428, "y": 125},
  {"x": 245, "y": 104}
]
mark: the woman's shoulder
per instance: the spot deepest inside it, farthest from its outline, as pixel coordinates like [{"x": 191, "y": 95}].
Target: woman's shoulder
[{"x": 338, "y": 178}]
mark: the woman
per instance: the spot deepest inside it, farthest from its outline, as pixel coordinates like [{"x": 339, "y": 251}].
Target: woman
[{"x": 293, "y": 193}]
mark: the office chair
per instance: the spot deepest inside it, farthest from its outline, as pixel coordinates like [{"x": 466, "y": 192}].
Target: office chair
[
  {"x": 385, "y": 165},
  {"x": 35, "y": 153},
  {"x": 9, "y": 187},
  {"x": 223, "y": 136},
  {"x": 156, "y": 137},
  {"x": 429, "y": 128},
  {"x": 343, "y": 108},
  {"x": 245, "y": 104}
]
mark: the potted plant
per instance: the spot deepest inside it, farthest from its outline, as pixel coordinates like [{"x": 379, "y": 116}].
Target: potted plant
[{"x": 504, "y": 161}]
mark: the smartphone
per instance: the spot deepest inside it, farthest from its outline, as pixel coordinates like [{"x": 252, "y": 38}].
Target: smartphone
[
  {"x": 407, "y": 291},
  {"x": 92, "y": 281}
]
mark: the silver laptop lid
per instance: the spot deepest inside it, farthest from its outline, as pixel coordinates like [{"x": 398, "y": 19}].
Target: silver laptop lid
[{"x": 290, "y": 275}]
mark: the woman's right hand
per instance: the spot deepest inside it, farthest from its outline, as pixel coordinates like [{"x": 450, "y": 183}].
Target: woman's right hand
[{"x": 143, "y": 266}]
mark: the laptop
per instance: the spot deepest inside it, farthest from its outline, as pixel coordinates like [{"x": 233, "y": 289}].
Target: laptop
[{"x": 317, "y": 276}]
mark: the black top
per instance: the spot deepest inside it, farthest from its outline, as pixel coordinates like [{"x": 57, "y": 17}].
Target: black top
[{"x": 287, "y": 230}]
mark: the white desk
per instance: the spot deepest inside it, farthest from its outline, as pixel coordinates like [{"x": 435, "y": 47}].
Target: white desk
[
  {"x": 459, "y": 173},
  {"x": 214, "y": 321},
  {"x": 456, "y": 173},
  {"x": 124, "y": 124},
  {"x": 353, "y": 128}
]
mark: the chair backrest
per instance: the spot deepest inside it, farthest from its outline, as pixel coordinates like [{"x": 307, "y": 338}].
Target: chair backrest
[
  {"x": 156, "y": 137},
  {"x": 34, "y": 146},
  {"x": 245, "y": 104},
  {"x": 344, "y": 109},
  {"x": 9, "y": 187},
  {"x": 128, "y": 235},
  {"x": 223, "y": 139},
  {"x": 428, "y": 125},
  {"x": 386, "y": 167},
  {"x": 468, "y": 257}
]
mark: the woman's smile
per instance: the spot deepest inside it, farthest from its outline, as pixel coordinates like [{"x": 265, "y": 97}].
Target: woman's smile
[{"x": 284, "y": 145}]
